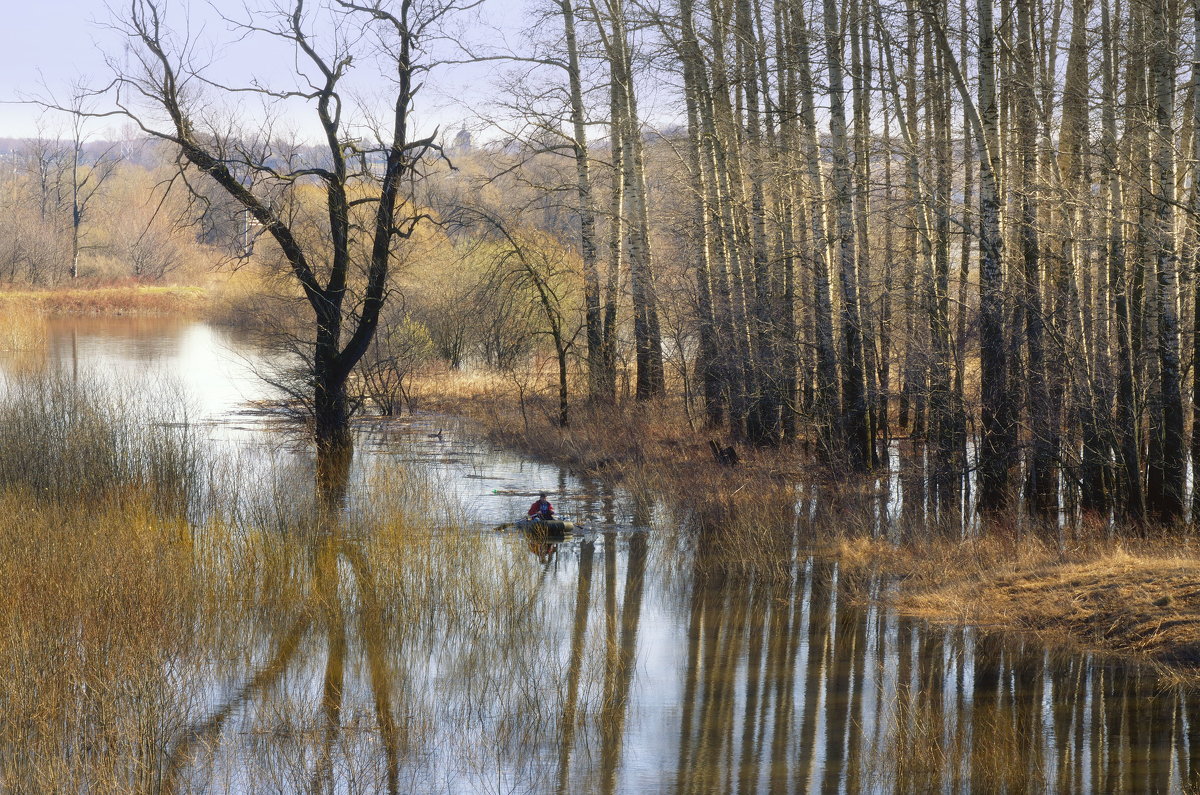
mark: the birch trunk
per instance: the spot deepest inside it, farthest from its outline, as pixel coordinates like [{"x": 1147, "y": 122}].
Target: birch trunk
[
  {"x": 826, "y": 370},
  {"x": 1126, "y": 410},
  {"x": 855, "y": 428},
  {"x": 1042, "y": 482},
  {"x": 1167, "y": 500},
  {"x": 599, "y": 381}
]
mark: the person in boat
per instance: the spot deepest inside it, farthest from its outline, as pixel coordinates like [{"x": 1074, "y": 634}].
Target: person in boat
[{"x": 541, "y": 508}]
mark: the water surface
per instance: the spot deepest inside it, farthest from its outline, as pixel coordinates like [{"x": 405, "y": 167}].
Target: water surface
[{"x": 610, "y": 662}]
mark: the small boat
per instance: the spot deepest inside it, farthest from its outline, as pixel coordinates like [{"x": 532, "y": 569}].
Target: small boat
[{"x": 549, "y": 527}]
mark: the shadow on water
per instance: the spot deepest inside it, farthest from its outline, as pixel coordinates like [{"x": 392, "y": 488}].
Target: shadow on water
[{"x": 372, "y": 636}]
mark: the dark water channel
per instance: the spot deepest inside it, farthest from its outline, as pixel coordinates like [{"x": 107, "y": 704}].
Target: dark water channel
[{"x": 610, "y": 662}]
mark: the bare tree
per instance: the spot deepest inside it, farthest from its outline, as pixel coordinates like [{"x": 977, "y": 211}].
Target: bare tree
[
  {"x": 532, "y": 268},
  {"x": 343, "y": 267},
  {"x": 68, "y": 180},
  {"x": 400, "y": 346},
  {"x": 87, "y": 178}
]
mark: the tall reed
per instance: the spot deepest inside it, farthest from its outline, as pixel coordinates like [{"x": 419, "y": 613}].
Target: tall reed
[
  {"x": 66, "y": 440},
  {"x": 146, "y": 647}
]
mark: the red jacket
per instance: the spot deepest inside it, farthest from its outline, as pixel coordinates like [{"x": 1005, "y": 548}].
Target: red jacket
[{"x": 541, "y": 508}]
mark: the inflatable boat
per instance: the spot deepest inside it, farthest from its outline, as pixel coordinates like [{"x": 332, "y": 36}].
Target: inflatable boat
[{"x": 549, "y": 527}]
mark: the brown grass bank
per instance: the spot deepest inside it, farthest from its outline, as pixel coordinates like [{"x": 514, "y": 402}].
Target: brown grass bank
[
  {"x": 1136, "y": 597},
  {"x": 1140, "y": 600},
  {"x": 108, "y": 299}
]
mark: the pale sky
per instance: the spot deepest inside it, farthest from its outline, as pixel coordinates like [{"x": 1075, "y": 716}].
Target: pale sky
[{"x": 58, "y": 41}]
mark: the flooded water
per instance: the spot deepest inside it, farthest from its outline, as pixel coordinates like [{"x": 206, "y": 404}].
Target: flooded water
[{"x": 612, "y": 661}]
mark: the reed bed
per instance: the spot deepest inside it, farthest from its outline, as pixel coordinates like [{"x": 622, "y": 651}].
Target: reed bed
[
  {"x": 23, "y": 343},
  {"x": 95, "y": 615},
  {"x": 67, "y": 441},
  {"x": 289, "y": 633}
]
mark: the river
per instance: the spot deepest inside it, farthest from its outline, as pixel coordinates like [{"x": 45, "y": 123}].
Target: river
[{"x": 610, "y": 663}]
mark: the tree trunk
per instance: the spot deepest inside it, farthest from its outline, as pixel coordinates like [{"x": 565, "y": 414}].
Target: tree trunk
[
  {"x": 1042, "y": 494},
  {"x": 646, "y": 335},
  {"x": 709, "y": 357},
  {"x": 998, "y": 414},
  {"x": 763, "y": 420},
  {"x": 1126, "y": 409},
  {"x": 960, "y": 336},
  {"x": 1195, "y": 202},
  {"x": 598, "y": 379},
  {"x": 855, "y": 429},
  {"x": 936, "y": 227},
  {"x": 1075, "y": 190},
  {"x": 825, "y": 402},
  {"x": 1167, "y": 500},
  {"x": 860, "y": 58}
]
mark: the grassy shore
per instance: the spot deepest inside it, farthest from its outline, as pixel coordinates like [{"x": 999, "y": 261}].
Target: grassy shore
[
  {"x": 107, "y": 299},
  {"x": 1133, "y": 597}
]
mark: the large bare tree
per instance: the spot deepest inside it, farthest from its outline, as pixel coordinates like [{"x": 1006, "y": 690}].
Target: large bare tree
[{"x": 338, "y": 255}]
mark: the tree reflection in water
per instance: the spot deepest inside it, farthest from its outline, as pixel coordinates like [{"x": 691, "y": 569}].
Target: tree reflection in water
[{"x": 780, "y": 685}]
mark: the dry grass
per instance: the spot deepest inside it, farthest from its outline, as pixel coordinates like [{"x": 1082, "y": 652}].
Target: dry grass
[
  {"x": 651, "y": 441},
  {"x": 1145, "y": 604},
  {"x": 252, "y": 299},
  {"x": 23, "y": 341},
  {"x": 145, "y": 653},
  {"x": 94, "y": 599},
  {"x": 100, "y": 596},
  {"x": 130, "y": 644},
  {"x": 67, "y": 441},
  {"x": 113, "y": 299},
  {"x": 1136, "y": 599}
]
